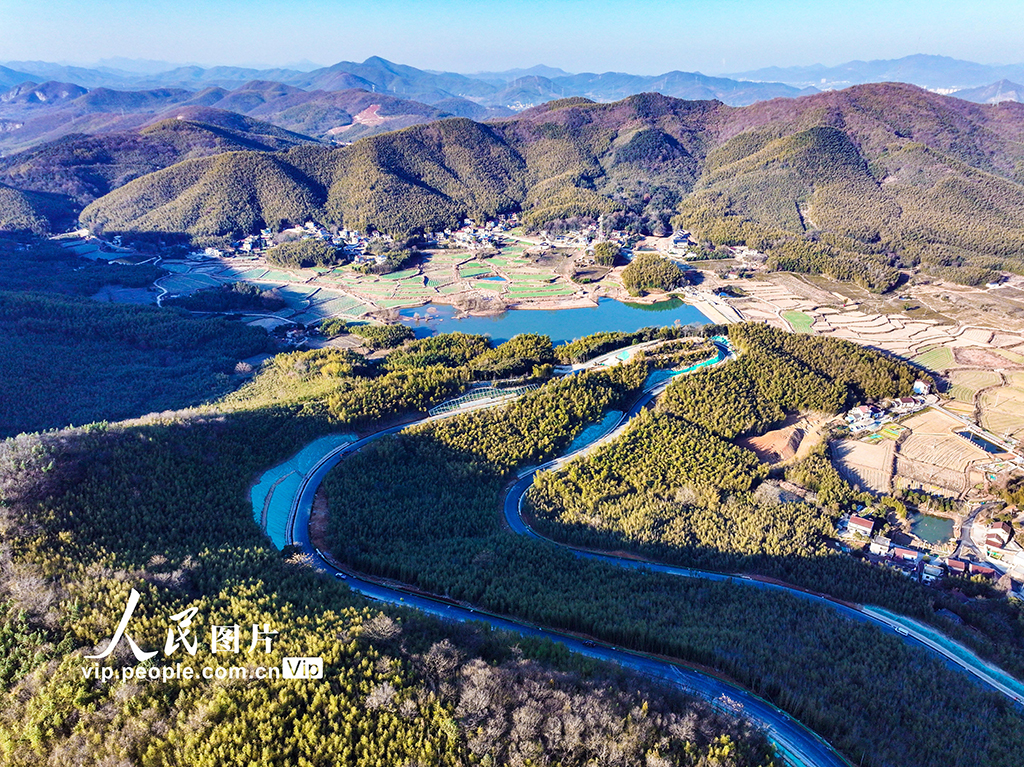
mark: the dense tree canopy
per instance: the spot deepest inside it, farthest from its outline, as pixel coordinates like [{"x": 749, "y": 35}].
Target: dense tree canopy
[
  {"x": 650, "y": 271},
  {"x": 303, "y": 254}
]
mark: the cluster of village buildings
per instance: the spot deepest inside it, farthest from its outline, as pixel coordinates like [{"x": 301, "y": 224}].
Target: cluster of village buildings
[
  {"x": 354, "y": 244},
  {"x": 470, "y": 236},
  {"x": 865, "y": 418},
  {"x": 999, "y": 546}
]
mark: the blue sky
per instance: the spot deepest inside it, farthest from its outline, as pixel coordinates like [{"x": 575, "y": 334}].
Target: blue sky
[{"x": 642, "y": 36}]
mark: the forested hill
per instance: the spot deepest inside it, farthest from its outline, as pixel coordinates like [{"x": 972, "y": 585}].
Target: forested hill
[
  {"x": 79, "y": 168},
  {"x": 854, "y": 183}
]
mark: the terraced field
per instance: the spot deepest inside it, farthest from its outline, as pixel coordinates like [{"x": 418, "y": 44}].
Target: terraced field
[
  {"x": 865, "y": 465},
  {"x": 933, "y": 454},
  {"x": 1012, "y": 356},
  {"x": 937, "y": 358},
  {"x": 473, "y": 270},
  {"x": 397, "y": 303},
  {"x": 187, "y": 283},
  {"x": 490, "y": 287},
  {"x": 404, "y": 274},
  {"x": 556, "y": 292},
  {"x": 1002, "y": 409},
  {"x": 965, "y": 384},
  {"x": 542, "y": 289},
  {"x": 800, "y": 321}
]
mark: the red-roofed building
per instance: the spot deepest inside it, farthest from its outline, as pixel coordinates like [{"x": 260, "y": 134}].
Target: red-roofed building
[
  {"x": 865, "y": 527},
  {"x": 999, "y": 535},
  {"x": 956, "y": 566},
  {"x": 908, "y": 555},
  {"x": 988, "y": 572}
]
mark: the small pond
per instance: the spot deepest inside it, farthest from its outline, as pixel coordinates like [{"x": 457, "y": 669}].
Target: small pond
[{"x": 931, "y": 529}]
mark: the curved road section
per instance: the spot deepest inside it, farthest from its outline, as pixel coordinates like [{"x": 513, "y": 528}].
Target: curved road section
[{"x": 798, "y": 745}]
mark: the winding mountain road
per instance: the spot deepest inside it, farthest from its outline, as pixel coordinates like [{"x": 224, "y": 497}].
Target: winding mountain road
[{"x": 798, "y": 745}]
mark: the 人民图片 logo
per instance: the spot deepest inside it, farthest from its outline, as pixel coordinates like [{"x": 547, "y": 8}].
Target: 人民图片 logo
[{"x": 182, "y": 639}]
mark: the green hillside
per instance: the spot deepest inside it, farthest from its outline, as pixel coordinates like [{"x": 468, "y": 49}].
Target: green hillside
[
  {"x": 856, "y": 184},
  {"x": 232, "y": 192},
  {"x": 31, "y": 212},
  {"x": 426, "y": 177},
  {"x": 81, "y": 168}
]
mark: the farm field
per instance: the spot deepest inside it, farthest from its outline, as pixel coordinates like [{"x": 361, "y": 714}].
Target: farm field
[
  {"x": 868, "y": 466},
  {"x": 936, "y": 359},
  {"x": 801, "y": 321},
  {"x": 933, "y": 454},
  {"x": 473, "y": 270},
  {"x": 965, "y": 384},
  {"x": 944, "y": 330},
  {"x": 1002, "y": 409}
]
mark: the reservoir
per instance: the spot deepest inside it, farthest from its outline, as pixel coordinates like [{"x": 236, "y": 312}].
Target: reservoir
[
  {"x": 561, "y": 325},
  {"x": 931, "y": 529}
]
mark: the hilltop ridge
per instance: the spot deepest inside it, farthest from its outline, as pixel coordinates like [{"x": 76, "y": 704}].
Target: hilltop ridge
[{"x": 871, "y": 178}]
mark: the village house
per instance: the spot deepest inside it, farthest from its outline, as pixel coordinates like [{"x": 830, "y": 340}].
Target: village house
[
  {"x": 905, "y": 554},
  {"x": 999, "y": 535},
  {"x": 931, "y": 571},
  {"x": 903, "y": 405},
  {"x": 956, "y": 567},
  {"x": 976, "y": 569},
  {"x": 861, "y": 526},
  {"x": 880, "y": 546},
  {"x": 860, "y": 412}
]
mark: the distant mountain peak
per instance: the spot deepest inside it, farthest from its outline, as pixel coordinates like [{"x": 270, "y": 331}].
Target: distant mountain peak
[
  {"x": 942, "y": 73},
  {"x": 996, "y": 93}
]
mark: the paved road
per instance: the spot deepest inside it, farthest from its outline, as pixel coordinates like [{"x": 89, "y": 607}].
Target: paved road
[
  {"x": 799, "y": 745},
  {"x": 956, "y": 656},
  {"x": 966, "y": 544}
]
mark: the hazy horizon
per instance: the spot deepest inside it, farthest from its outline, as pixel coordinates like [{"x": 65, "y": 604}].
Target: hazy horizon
[
  {"x": 139, "y": 66},
  {"x": 642, "y": 37}
]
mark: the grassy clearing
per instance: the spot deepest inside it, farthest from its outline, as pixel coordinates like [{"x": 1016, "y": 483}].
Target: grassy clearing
[
  {"x": 799, "y": 321},
  {"x": 936, "y": 359}
]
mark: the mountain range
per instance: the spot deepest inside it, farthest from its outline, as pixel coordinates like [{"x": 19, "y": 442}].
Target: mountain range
[
  {"x": 339, "y": 103},
  {"x": 378, "y": 75},
  {"x": 858, "y": 181},
  {"x": 74, "y": 170},
  {"x": 937, "y": 73},
  {"x": 45, "y": 101},
  {"x": 871, "y": 177},
  {"x": 1004, "y": 90},
  {"x": 32, "y": 114}
]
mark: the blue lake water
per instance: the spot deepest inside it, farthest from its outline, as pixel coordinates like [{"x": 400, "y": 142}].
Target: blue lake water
[
  {"x": 492, "y": 278},
  {"x": 561, "y": 325},
  {"x": 931, "y": 529}
]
